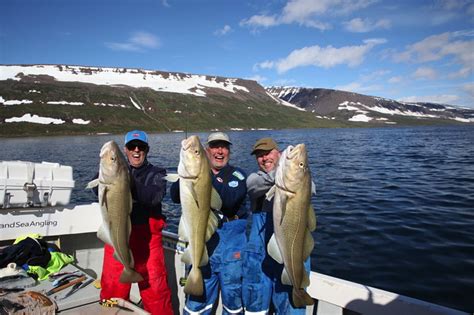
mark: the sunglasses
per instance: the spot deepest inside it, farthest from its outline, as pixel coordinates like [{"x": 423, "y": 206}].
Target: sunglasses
[{"x": 140, "y": 146}]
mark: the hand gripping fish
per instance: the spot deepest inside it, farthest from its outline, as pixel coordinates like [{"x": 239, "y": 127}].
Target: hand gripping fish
[
  {"x": 198, "y": 222},
  {"x": 115, "y": 201},
  {"x": 293, "y": 219}
]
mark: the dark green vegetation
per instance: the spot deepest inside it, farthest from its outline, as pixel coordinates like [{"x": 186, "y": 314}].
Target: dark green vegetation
[
  {"x": 163, "y": 112},
  {"x": 160, "y": 111}
]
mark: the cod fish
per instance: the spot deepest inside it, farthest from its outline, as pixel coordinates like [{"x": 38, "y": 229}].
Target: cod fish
[
  {"x": 197, "y": 222},
  {"x": 293, "y": 220},
  {"x": 115, "y": 201}
]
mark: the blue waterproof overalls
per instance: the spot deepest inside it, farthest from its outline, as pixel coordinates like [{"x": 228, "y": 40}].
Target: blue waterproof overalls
[
  {"x": 261, "y": 284},
  {"x": 225, "y": 247}
]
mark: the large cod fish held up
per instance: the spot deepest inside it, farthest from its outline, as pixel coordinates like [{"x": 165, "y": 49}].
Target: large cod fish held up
[
  {"x": 198, "y": 222},
  {"x": 115, "y": 201},
  {"x": 294, "y": 220}
]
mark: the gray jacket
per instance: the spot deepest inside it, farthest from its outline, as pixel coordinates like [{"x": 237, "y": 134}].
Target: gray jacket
[{"x": 257, "y": 186}]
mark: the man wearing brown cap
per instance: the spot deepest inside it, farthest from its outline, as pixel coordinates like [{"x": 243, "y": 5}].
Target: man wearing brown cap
[{"x": 261, "y": 274}]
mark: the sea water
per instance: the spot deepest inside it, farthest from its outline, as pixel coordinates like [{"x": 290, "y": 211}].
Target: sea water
[{"x": 394, "y": 206}]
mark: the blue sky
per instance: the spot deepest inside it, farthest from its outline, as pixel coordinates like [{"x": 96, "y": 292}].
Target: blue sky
[{"x": 404, "y": 50}]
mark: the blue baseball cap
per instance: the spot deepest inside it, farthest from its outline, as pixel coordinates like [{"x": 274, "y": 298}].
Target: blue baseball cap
[{"x": 136, "y": 135}]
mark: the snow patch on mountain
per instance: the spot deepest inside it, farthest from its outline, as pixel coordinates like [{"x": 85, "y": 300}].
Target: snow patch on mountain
[{"x": 158, "y": 81}]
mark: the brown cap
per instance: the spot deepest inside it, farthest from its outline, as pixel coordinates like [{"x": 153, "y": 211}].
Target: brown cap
[{"x": 264, "y": 144}]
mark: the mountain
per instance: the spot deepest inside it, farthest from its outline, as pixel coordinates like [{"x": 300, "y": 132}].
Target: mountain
[
  {"x": 342, "y": 105},
  {"x": 66, "y": 99}
]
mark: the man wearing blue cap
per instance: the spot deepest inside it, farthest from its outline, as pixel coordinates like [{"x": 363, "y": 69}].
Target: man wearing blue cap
[{"x": 148, "y": 189}]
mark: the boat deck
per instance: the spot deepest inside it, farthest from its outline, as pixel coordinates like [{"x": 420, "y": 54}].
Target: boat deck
[{"x": 77, "y": 237}]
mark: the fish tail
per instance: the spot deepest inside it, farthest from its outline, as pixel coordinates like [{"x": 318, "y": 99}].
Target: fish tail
[
  {"x": 301, "y": 298},
  {"x": 194, "y": 283},
  {"x": 130, "y": 276}
]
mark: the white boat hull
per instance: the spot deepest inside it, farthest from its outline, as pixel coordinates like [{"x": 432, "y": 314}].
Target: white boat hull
[{"x": 75, "y": 233}]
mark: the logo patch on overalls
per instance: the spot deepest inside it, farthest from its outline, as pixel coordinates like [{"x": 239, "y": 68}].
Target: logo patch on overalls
[
  {"x": 233, "y": 184},
  {"x": 237, "y": 255},
  {"x": 239, "y": 175}
]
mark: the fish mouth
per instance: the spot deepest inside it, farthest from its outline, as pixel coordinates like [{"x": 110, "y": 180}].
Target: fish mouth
[
  {"x": 294, "y": 151},
  {"x": 107, "y": 147},
  {"x": 188, "y": 142}
]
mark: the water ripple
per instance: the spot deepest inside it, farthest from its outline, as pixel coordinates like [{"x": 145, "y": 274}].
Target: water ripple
[{"x": 394, "y": 205}]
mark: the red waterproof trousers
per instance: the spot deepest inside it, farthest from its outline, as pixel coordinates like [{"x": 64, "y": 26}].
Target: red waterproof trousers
[{"x": 146, "y": 245}]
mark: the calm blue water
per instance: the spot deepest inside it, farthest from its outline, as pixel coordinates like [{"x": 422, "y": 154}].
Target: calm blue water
[{"x": 395, "y": 206}]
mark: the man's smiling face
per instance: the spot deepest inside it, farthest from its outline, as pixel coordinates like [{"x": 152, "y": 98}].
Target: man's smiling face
[
  {"x": 267, "y": 160},
  {"x": 218, "y": 153},
  {"x": 136, "y": 152}
]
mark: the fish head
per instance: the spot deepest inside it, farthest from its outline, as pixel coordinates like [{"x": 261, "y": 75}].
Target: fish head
[
  {"x": 192, "y": 157},
  {"x": 293, "y": 169},
  {"x": 112, "y": 161}
]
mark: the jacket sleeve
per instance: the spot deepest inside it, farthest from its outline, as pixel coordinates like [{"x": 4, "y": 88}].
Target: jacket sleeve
[
  {"x": 257, "y": 186},
  {"x": 152, "y": 190},
  {"x": 259, "y": 183},
  {"x": 232, "y": 194}
]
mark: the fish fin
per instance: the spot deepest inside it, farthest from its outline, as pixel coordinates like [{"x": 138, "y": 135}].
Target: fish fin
[
  {"x": 305, "y": 282},
  {"x": 195, "y": 197},
  {"x": 212, "y": 224},
  {"x": 270, "y": 193},
  {"x": 205, "y": 258},
  {"x": 216, "y": 201},
  {"x": 311, "y": 218},
  {"x": 104, "y": 235},
  {"x": 274, "y": 250},
  {"x": 104, "y": 197},
  {"x": 130, "y": 276},
  {"x": 194, "y": 283},
  {"x": 182, "y": 233},
  {"x": 301, "y": 298},
  {"x": 285, "y": 277},
  {"x": 308, "y": 244},
  {"x": 283, "y": 200},
  {"x": 186, "y": 257},
  {"x": 93, "y": 183},
  {"x": 171, "y": 177}
]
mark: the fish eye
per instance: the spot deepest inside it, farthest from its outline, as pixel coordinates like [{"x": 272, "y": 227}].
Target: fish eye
[{"x": 301, "y": 165}]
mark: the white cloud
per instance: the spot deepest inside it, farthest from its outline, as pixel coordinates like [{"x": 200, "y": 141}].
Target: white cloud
[
  {"x": 326, "y": 57},
  {"x": 264, "y": 65},
  {"x": 359, "y": 25},
  {"x": 303, "y": 11},
  {"x": 452, "y": 4},
  {"x": 440, "y": 99},
  {"x": 257, "y": 78},
  {"x": 145, "y": 40},
  {"x": 469, "y": 88},
  {"x": 260, "y": 21},
  {"x": 437, "y": 47},
  {"x": 358, "y": 87},
  {"x": 425, "y": 73},
  {"x": 138, "y": 41},
  {"x": 307, "y": 13},
  {"x": 396, "y": 79},
  {"x": 223, "y": 31}
]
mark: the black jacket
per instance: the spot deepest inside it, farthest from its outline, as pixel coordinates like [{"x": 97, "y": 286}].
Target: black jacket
[{"x": 148, "y": 189}]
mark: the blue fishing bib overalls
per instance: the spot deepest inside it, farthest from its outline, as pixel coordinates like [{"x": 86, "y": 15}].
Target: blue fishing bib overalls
[{"x": 225, "y": 248}]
